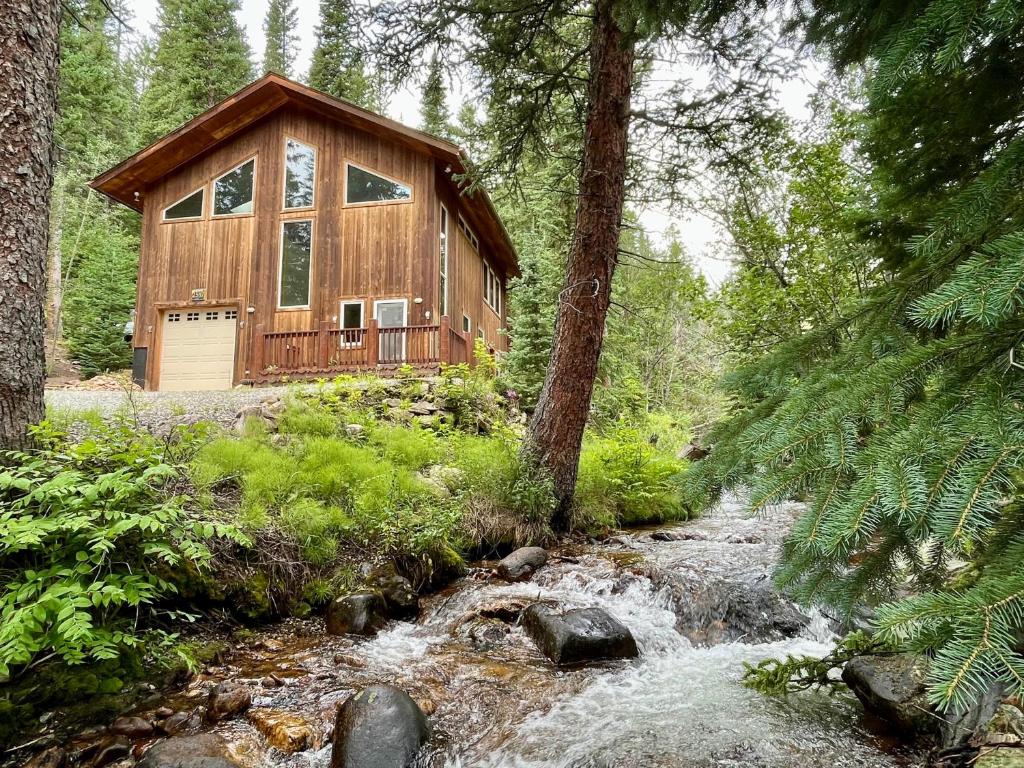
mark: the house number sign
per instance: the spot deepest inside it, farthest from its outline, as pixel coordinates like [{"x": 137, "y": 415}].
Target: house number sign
[{"x": 198, "y": 294}]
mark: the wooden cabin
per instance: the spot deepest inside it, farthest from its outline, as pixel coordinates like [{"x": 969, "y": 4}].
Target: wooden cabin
[{"x": 289, "y": 233}]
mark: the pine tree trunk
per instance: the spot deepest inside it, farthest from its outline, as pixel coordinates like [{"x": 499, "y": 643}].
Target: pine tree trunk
[
  {"x": 556, "y": 431},
  {"x": 28, "y": 100}
]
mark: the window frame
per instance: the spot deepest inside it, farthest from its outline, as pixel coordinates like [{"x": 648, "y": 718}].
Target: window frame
[
  {"x": 200, "y": 217},
  {"x": 284, "y": 176},
  {"x": 467, "y": 323},
  {"x": 444, "y": 248},
  {"x": 468, "y": 231},
  {"x": 280, "y": 264},
  {"x": 492, "y": 284},
  {"x": 369, "y": 203},
  {"x": 342, "y": 303},
  {"x": 213, "y": 190}
]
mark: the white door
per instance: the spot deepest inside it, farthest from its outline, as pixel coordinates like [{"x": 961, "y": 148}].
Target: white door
[
  {"x": 390, "y": 313},
  {"x": 198, "y": 349}
]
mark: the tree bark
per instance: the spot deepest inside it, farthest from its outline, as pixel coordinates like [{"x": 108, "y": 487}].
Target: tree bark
[
  {"x": 28, "y": 100},
  {"x": 556, "y": 431}
]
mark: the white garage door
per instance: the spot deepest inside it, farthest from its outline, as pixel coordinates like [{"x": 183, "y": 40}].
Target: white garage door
[{"x": 198, "y": 349}]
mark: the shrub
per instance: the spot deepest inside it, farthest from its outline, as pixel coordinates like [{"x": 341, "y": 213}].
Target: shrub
[
  {"x": 413, "y": 447},
  {"x": 625, "y": 480},
  {"x": 88, "y": 532}
]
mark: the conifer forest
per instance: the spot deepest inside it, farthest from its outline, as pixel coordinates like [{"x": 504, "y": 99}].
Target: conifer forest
[{"x": 511, "y": 383}]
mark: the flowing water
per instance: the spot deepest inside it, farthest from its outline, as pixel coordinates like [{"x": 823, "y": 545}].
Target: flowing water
[{"x": 698, "y": 600}]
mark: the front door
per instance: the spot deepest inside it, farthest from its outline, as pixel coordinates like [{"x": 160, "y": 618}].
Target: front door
[{"x": 390, "y": 314}]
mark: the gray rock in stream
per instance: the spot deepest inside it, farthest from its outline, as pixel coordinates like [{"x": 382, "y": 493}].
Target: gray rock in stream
[
  {"x": 578, "y": 636},
  {"x": 361, "y": 613},
  {"x": 522, "y": 563},
  {"x": 379, "y": 727},
  {"x": 893, "y": 688},
  {"x": 204, "y": 750}
]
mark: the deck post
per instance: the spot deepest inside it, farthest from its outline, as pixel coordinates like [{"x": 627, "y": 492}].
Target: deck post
[
  {"x": 257, "y": 352},
  {"x": 444, "y": 341},
  {"x": 323, "y": 346},
  {"x": 372, "y": 344}
]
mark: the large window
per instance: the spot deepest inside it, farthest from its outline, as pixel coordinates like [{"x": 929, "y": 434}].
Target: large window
[
  {"x": 232, "y": 192},
  {"x": 492, "y": 289},
  {"x": 190, "y": 207},
  {"x": 442, "y": 269},
  {"x": 296, "y": 263},
  {"x": 362, "y": 186},
  {"x": 299, "y": 174}
]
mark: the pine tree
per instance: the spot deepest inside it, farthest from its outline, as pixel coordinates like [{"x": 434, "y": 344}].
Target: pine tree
[
  {"x": 201, "y": 57},
  {"x": 282, "y": 41},
  {"x": 903, "y": 420},
  {"x": 434, "y": 106},
  {"x": 337, "y": 67}
]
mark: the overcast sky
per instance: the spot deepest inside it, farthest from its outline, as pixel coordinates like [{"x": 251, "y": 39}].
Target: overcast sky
[{"x": 698, "y": 233}]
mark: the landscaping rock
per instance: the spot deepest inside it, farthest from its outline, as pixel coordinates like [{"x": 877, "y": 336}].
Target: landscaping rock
[
  {"x": 284, "y": 731},
  {"x": 132, "y": 727},
  {"x": 379, "y": 727},
  {"x": 393, "y": 402},
  {"x": 578, "y": 636},
  {"x": 205, "y": 750},
  {"x": 354, "y": 430},
  {"x": 361, "y": 613},
  {"x": 692, "y": 452},
  {"x": 423, "y": 408},
  {"x": 522, "y": 563},
  {"x": 893, "y": 688},
  {"x": 226, "y": 700},
  {"x": 400, "y": 597},
  {"x": 261, "y": 412}
]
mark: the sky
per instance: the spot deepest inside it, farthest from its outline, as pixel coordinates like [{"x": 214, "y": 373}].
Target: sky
[{"x": 698, "y": 233}]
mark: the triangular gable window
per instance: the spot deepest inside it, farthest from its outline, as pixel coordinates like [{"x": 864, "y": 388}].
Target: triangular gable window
[
  {"x": 362, "y": 187},
  {"x": 190, "y": 207}
]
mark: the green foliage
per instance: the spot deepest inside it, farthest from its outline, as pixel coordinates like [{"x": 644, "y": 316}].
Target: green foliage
[
  {"x": 201, "y": 57},
  {"x": 625, "y": 480},
  {"x": 88, "y": 535},
  {"x": 773, "y": 677},
  {"x": 337, "y": 67},
  {"x": 434, "y": 105},
  {"x": 282, "y": 40},
  {"x": 901, "y": 419}
]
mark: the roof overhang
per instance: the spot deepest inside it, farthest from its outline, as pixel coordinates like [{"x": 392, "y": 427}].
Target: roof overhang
[{"x": 127, "y": 182}]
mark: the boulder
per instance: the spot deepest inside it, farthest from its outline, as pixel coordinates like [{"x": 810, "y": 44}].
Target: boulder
[
  {"x": 284, "y": 731},
  {"x": 521, "y": 564},
  {"x": 132, "y": 727},
  {"x": 178, "y": 722},
  {"x": 361, "y": 613},
  {"x": 692, "y": 452},
  {"x": 226, "y": 700},
  {"x": 262, "y": 413},
  {"x": 893, "y": 688},
  {"x": 423, "y": 408},
  {"x": 578, "y": 636},
  {"x": 354, "y": 430},
  {"x": 399, "y": 595},
  {"x": 204, "y": 750},
  {"x": 379, "y": 727}
]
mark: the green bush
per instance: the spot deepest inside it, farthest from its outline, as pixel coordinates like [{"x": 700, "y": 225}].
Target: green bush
[
  {"x": 625, "y": 480},
  {"x": 88, "y": 535},
  {"x": 413, "y": 447}
]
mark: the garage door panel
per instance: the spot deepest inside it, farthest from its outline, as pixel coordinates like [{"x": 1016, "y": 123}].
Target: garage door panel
[{"x": 198, "y": 350}]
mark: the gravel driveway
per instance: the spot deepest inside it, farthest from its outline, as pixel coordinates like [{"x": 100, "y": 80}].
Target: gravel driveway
[{"x": 161, "y": 411}]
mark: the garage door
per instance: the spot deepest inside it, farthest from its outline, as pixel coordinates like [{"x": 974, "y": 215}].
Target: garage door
[{"x": 198, "y": 349}]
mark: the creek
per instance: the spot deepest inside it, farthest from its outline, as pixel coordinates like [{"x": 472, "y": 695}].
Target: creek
[{"x": 697, "y": 597}]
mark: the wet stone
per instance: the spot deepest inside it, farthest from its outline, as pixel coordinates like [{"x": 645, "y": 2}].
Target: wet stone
[
  {"x": 54, "y": 757},
  {"x": 522, "y": 563},
  {"x": 178, "y": 722},
  {"x": 228, "y": 699},
  {"x": 284, "y": 731},
  {"x": 205, "y": 750},
  {"x": 109, "y": 751},
  {"x": 893, "y": 688},
  {"x": 132, "y": 727},
  {"x": 379, "y": 727},
  {"x": 361, "y": 613},
  {"x": 578, "y": 636}
]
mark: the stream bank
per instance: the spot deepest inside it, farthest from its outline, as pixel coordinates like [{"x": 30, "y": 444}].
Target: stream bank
[{"x": 697, "y": 598}]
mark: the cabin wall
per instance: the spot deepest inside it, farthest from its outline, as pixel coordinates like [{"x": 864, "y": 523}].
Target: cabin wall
[{"x": 368, "y": 252}]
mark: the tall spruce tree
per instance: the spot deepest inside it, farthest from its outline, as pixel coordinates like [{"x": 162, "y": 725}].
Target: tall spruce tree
[
  {"x": 201, "y": 57},
  {"x": 434, "y": 104},
  {"x": 282, "y": 40},
  {"x": 903, "y": 420},
  {"x": 337, "y": 67}
]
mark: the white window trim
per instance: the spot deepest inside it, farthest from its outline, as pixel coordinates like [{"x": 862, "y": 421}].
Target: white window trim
[
  {"x": 344, "y": 187},
  {"x": 405, "y": 319},
  {"x": 447, "y": 249},
  {"x": 163, "y": 215},
  {"x": 492, "y": 283},
  {"x": 471, "y": 236},
  {"x": 341, "y": 321},
  {"x": 213, "y": 190},
  {"x": 280, "y": 263},
  {"x": 467, "y": 320},
  {"x": 284, "y": 176}
]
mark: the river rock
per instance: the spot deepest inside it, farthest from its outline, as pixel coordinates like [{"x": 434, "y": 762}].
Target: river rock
[
  {"x": 204, "y": 750},
  {"x": 111, "y": 749},
  {"x": 53, "y": 757},
  {"x": 578, "y": 636},
  {"x": 227, "y": 699},
  {"x": 178, "y": 722},
  {"x": 521, "y": 564},
  {"x": 379, "y": 727},
  {"x": 287, "y": 732},
  {"x": 892, "y": 687},
  {"x": 132, "y": 727},
  {"x": 400, "y": 597},
  {"x": 361, "y": 613}
]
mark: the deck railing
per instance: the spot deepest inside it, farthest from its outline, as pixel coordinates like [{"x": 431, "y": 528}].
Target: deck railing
[{"x": 335, "y": 350}]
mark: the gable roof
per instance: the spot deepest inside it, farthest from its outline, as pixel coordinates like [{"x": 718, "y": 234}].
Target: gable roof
[{"x": 259, "y": 99}]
